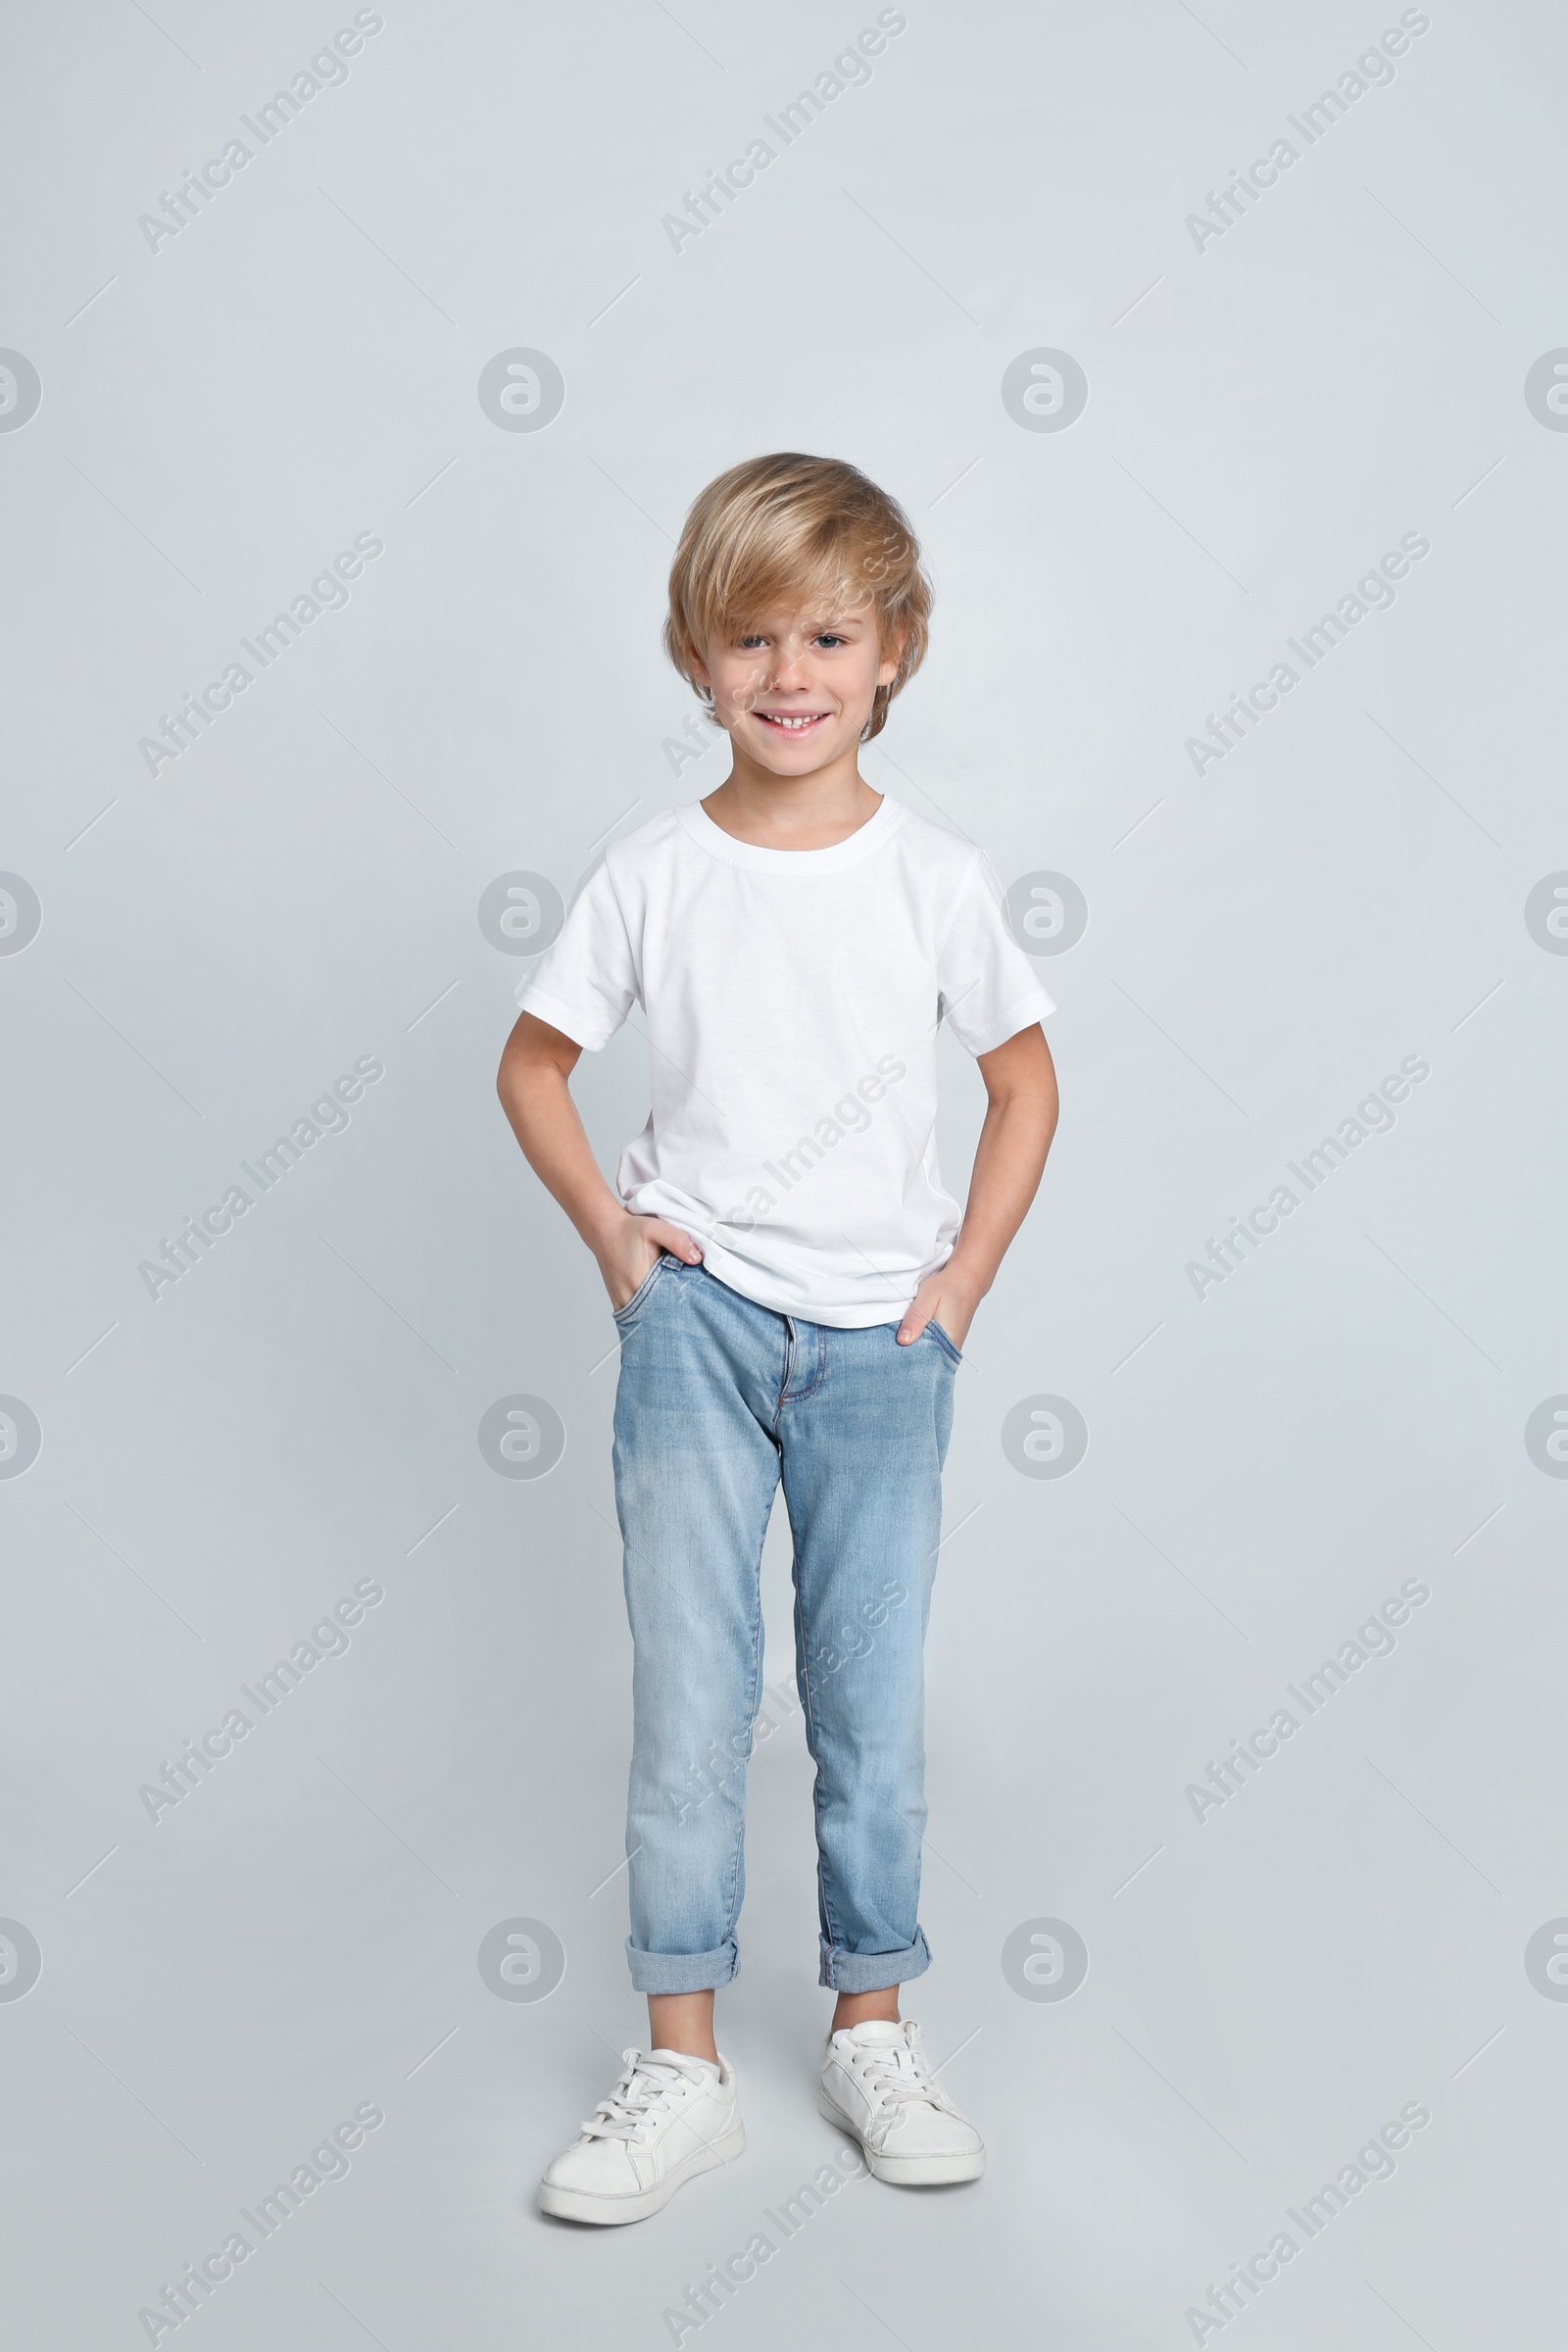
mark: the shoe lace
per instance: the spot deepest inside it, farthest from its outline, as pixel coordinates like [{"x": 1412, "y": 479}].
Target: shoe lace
[
  {"x": 642, "y": 2089},
  {"x": 897, "y": 2074}
]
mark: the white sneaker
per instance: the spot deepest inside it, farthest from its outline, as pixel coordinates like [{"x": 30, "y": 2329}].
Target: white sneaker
[
  {"x": 668, "y": 2118},
  {"x": 877, "y": 2085}
]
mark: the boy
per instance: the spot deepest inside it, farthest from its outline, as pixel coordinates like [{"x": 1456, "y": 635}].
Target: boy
[{"x": 792, "y": 1287}]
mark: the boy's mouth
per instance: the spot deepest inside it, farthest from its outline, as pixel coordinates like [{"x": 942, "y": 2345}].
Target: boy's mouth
[{"x": 791, "y": 723}]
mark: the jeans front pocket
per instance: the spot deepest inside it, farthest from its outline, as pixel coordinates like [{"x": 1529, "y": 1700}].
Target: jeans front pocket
[
  {"x": 954, "y": 1351},
  {"x": 647, "y": 1283}
]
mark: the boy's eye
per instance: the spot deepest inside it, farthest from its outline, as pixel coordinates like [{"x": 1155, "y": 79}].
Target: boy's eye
[{"x": 830, "y": 638}]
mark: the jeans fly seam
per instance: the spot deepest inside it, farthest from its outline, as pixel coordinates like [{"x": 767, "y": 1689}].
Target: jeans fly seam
[{"x": 818, "y": 1376}]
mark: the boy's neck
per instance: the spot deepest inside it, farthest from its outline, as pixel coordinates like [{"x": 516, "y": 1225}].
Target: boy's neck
[{"x": 792, "y": 813}]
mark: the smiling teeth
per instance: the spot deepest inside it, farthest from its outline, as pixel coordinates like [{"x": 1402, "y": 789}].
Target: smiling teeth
[{"x": 776, "y": 718}]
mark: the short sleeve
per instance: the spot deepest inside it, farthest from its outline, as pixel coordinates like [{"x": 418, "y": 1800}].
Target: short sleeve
[
  {"x": 586, "y": 981},
  {"x": 989, "y": 988}
]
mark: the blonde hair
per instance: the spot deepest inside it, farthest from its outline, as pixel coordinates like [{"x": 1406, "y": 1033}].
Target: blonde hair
[{"x": 795, "y": 530}]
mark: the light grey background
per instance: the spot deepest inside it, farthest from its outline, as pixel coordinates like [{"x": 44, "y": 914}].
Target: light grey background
[{"x": 1266, "y": 416}]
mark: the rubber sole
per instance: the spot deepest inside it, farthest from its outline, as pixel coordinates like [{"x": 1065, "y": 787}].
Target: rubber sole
[
  {"x": 582, "y": 2205},
  {"x": 905, "y": 2172}
]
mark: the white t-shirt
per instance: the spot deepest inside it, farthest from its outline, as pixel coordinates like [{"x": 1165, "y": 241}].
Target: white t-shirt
[{"x": 792, "y": 1000}]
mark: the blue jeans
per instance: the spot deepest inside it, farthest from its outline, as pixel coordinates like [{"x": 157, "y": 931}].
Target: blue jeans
[{"x": 719, "y": 1398}]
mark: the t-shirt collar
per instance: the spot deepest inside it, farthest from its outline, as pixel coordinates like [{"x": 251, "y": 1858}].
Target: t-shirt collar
[{"x": 866, "y": 839}]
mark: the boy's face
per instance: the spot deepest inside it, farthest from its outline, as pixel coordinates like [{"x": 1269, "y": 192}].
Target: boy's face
[{"x": 794, "y": 690}]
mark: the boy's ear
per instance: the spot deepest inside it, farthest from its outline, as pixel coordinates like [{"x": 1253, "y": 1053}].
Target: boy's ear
[
  {"x": 892, "y": 656},
  {"x": 699, "y": 668}
]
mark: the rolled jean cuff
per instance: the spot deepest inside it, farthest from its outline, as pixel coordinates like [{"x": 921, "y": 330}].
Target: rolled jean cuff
[
  {"x": 874, "y": 1972},
  {"x": 682, "y": 1972}
]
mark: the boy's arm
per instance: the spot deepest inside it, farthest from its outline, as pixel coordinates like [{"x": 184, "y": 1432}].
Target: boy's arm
[
  {"x": 532, "y": 1084},
  {"x": 1020, "y": 1120}
]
